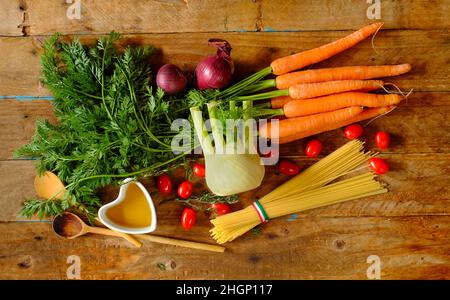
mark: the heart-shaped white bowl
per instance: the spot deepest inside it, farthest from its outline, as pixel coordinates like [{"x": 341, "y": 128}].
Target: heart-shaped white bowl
[{"x": 123, "y": 191}]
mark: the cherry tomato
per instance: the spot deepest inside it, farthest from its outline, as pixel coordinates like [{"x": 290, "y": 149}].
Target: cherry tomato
[
  {"x": 220, "y": 208},
  {"x": 185, "y": 189},
  {"x": 199, "y": 170},
  {"x": 382, "y": 139},
  {"x": 378, "y": 165},
  {"x": 288, "y": 168},
  {"x": 164, "y": 184},
  {"x": 353, "y": 131},
  {"x": 188, "y": 218},
  {"x": 313, "y": 148}
]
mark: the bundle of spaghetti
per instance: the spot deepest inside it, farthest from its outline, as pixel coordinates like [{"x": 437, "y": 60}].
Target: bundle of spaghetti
[{"x": 309, "y": 189}]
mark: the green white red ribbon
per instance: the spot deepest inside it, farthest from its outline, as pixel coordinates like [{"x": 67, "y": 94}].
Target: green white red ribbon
[{"x": 263, "y": 217}]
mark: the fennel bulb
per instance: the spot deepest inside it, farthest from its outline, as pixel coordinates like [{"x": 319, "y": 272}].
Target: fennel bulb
[
  {"x": 228, "y": 171},
  {"x": 228, "y": 174}
]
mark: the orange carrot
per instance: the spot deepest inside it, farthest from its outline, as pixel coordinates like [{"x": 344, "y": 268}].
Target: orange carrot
[
  {"x": 312, "y": 90},
  {"x": 299, "y": 60},
  {"x": 299, "y": 108},
  {"x": 314, "y": 123},
  {"x": 367, "y": 113},
  {"x": 279, "y": 102},
  {"x": 341, "y": 73}
]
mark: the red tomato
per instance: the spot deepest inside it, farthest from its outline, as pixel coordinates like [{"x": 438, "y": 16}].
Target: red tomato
[
  {"x": 288, "y": 168},
  {"x": 188, "y": 218},
  {"x": 353, "y": 131},
  {"x": 220, "y": 208},
  {"x": 185, "y": 189},
  {"x": 313, "y": 148},
  {"x": 199, "y": 170},
  {"x": 378, "y": 165},
  {"x": 164, "y": 184},
  {"x": 382, "y": 139}
]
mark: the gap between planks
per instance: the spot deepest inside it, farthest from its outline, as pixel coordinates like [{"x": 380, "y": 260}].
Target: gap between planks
[
  {"x": 298, "y": 218},
  {"x": 243, "y": 31}
]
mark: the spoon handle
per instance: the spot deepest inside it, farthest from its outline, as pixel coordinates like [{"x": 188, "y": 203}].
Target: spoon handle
[
  {"x": 109, "y": 232},
  {"x": 181, "y": 243}
]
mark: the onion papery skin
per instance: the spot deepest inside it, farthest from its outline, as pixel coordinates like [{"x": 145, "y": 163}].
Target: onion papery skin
[
  {"x": 171, "y": 79},
  {"x": 215, "y": 72}
]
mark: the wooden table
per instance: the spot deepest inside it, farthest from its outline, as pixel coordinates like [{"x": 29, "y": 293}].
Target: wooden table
[{"x": 408, "y": 229}]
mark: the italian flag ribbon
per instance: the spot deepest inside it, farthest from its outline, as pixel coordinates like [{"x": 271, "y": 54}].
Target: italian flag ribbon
[{"x": 263, "y": 217}]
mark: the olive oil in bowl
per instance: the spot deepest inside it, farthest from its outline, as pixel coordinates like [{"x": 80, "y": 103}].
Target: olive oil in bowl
[{"x": 132, "y": 212}]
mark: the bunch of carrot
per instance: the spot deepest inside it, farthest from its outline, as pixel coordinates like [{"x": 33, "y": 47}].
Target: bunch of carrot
[{"x": 318, "y": 100}]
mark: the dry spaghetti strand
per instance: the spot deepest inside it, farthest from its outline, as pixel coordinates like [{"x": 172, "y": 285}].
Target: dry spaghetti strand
[{"x": 310, "y": 189}]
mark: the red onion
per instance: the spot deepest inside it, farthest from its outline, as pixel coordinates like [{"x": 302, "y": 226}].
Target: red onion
[
  {"x": 215, "y": 72},
  {"x": 170, "y": 79}
]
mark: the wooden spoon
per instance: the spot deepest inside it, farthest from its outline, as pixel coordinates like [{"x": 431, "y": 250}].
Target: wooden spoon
[
  {"x": 180, "y": 243},
  {"x": 70, "y": 226},
  {"x": 49, "y": 185}
]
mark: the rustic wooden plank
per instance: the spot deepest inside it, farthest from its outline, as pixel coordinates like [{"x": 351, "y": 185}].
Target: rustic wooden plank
[
  {"x": 410, "y": 133},
  {"x": 18, "y": 122},
  {"x": 11, "y": 16},
  {"x": 294, "y": 15},
  {"x": 128, "y": 16},
  {"x": 419, "y": 185},
  {"x": 425, "y": 50},
  {"x": 20, "y": 67},
  {"x": 315, "y": 248},
  {"x": 17, "y": 185},
  {"x": 44, "y": 17}
]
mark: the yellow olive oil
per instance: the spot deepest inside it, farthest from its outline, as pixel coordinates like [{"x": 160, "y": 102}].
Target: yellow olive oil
[{"x": 133, "y": 211}]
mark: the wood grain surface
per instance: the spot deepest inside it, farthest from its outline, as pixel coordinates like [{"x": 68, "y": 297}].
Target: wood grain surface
[
  {"x": 426, "y": 50},
  {"x": 43, "y": 17},
  {"x": 407, "y": 228},
  {"x": 409, "y": 247}
]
